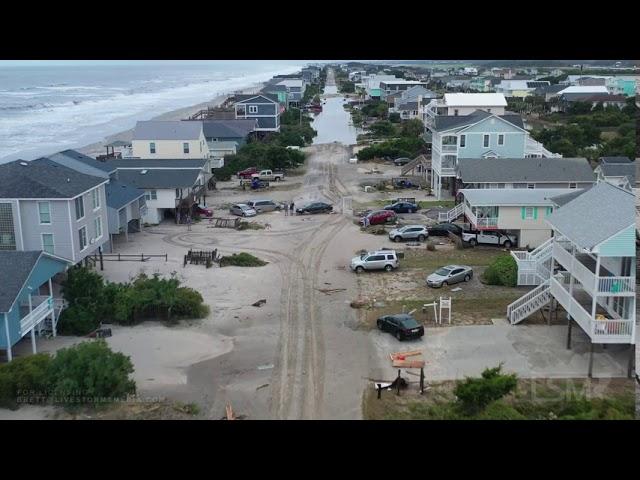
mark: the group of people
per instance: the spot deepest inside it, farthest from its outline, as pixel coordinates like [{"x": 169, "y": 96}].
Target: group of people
[{"x": 289, "y": 208}]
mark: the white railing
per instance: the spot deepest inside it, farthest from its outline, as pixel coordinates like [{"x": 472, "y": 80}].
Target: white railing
[
  {"x": 616, "y": 285},
  {"x": 449, "y": 148},
  {"x": 36, "y": 316},
  {"x": 452, "y": 214},
  {"x": 487, "y": 222},
  {"x": 610, "y": 327},
  {"x": 529, "y": 303}
]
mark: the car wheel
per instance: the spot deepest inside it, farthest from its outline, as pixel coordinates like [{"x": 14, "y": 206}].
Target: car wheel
[
  {"x": 397, "y": 238},
  {"x": 507, "y": 244},
  {"x": 421, "y": 238},
  {"x": 359, "y": 269},
  {"x": 380, "y": 326},
  {"x": 473, "y": 242},
  {"x": 467, "y": 278},
  {"x": 277, "y": 179},
  {"x": 388, "y": 268},
  {"x": 444, "y": 284},
  {"x": 399, "y": 335},
  {"x": 244, "y": 214},
  {"x": 412, "y": 211}
]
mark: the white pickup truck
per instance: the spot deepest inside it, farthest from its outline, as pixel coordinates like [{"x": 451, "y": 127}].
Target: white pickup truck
[
  {"x": 490, "y": 237},
  {"x": 268, "y": 175}
]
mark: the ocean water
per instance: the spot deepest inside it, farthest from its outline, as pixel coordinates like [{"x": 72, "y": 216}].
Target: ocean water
[{"x": 46, "y": 107}]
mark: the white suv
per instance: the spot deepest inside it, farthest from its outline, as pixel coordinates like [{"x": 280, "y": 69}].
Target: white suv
[{"x": 380, "y": 260}]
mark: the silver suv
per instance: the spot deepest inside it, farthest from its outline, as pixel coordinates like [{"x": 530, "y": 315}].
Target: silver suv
[
  {"x": 409, "y": 232},
  {"x": 264, "y": 205},
  {"x": 380, "y": 260}
]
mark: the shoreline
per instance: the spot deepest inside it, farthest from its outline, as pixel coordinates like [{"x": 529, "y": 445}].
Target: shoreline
[{"x": 98, "y": 148}]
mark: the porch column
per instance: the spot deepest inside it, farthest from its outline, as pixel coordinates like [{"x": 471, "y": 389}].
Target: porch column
[
  {"x": 594, "y": 299},
  {"x": 569, "y": 332},
  {"x": 591, "y": 361},
  {"x": 33, "y": 340},
  {"x": 6, "y": 331},
  {"x": 53, "y": 313}
]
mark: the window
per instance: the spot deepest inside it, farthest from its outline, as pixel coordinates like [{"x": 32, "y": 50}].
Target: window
[
  {"x": 531, "y": 186},
  {"x": 463, "y": 141},
  {"x": 95, "y": 198},
  {"x": 185, "y": 147},
  {"x": 82, "y": 236},
  {"x": 98, "y": 226},
  {"x": 7, "y": 232},
  {"x": 44, "y": 211},
  {"x": 501, "y": 139},
  {"x": 253, "y": 109},
  {"x": 79, "y": 208},
  {"x": 486, "y": 140},
  {"x": 47, "y": 243},
  {"x": 152, "y": 147},
  {"x": 150, "y": 195},
  {"x": 529, "y": 213},
  {"x": 573, "y": 185}
]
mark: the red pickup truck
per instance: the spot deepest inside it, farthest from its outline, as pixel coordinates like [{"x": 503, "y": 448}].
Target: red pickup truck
[{"x": 247, "y": 172}]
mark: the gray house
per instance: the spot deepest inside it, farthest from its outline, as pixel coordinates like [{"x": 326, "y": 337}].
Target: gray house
[
  {"x": 618, "y": 171},
  {"x": 225, "y": 137},
  {"x": 263, "y": 107},
  {"x": 47, "y": 206},
  {"x": 125, "y": 203}
]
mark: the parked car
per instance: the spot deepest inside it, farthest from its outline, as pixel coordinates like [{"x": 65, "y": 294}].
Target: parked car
[
  {"x": 243, "y": 210},
  {"x": 490, "y": 237},
  {"x": 261, "y": 206},
  {"x": 449, "y": 275},
  {"x": 401, "y": 326},
  {"x": 247, "y": 172},
  {"x": 315, "y": 207},
  {"x": 378, "y": 217},
  {"x": 403, "y": 207},
  {"x": 409, "y": 232},
  {"x": 398, "y": 162},
  {"x": 202, "y": 211},
  {"x": 380, "y": 260},
  {"x": 443, "y": 229},
  {"x": 268, "y": 175}
]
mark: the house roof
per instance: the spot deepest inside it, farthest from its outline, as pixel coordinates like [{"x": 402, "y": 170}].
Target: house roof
[
  {"x": 167, "y": 130},
  {"x": 565, "y": 198},
  {"x": 408, "y": 106},
  {"x": 585, "y": 89},
  {"x": 447, "y": 122},
  {"x": 415, "y": 92},
  {"x": 265, "y": 96},
  {"x": 619, "y": 170},
  {"x": 91, "y": 162},
  {"x": 15, "y": 268},
  {"x": 171, "y": 163},
  {"x": 159, "y": 178},
  {"x": 120, "y": 194},
  {"x": 605, "y": 97},
  {"x": 512, "y": 196},
  {"x": 594, "y": 216},
  {"x": 616, "y": 160},
  {"x": 475, "y": 100},
  {"x": 550, "y": 88},
  {"x": 43, "y": 178},
  {"x": 291, "y": 82},
  {"x": 229, "y": 128},
  {"x": 492, "y": 170}
]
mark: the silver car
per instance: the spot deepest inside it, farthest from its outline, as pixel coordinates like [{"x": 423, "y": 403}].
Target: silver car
[
  {"x": 261, "y": 206},
  {"x": 409, "y": 232},
  {"x": 242, "y": 209},
  {"x": 380, "y": 260},
  {"x": 449, "y": 275}
]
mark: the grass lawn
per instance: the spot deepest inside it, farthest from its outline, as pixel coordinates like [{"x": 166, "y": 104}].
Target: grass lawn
[
  {"x": 534, "y": 399},
  {"x": 473, "y": 257}
]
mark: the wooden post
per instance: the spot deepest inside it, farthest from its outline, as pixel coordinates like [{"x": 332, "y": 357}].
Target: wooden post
[
  {"x": 379, "y": 391},
  {"x": 569, "y": 333},
  {"x": 591, "y": 361},
  {"x": 101, "y": 261},
  {"x": 398, "y": 383},
  {"x": 632, "y": 352},
  {"x": 421, "y": 380}
]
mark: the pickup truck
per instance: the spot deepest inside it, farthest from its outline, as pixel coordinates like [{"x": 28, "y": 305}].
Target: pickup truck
[
  {"x": 269, "y": 176},
  {"x": 246, "y": 173},
  {"x": 490, "y": 237}
]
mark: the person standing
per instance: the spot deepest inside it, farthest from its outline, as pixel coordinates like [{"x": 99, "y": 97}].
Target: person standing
[
  {"x": 292, "y": 206},
  {"x": 286, "y": 209}
]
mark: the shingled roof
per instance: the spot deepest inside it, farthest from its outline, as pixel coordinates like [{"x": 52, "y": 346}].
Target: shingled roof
[
  {"x": 167, "y": 130},
  {"x": 497, "y": 170},
  {"x": 447, "y": 122},
  {"x": 43, "y": 178},
  {"x": 229, "y": 128}
]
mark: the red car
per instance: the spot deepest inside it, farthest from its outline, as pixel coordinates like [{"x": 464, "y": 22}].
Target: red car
[
  {"x": 379, "y": 216},
  {"x": 202, "y": 211},
  {"x": 247, "y": 172}
]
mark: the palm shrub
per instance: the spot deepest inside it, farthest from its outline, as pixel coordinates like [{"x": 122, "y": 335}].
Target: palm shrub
[{"x": 474, "y": 394}]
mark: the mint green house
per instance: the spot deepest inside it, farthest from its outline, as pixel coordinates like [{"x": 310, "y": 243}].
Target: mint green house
[{"x": 626, "y": 87}]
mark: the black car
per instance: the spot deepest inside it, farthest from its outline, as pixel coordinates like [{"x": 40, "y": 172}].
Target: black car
[
  {"x": 403, "y": 207},
  {"x": 315, "y": 207},
  {"x": 401, "y": 325},
  {"x": 443, "y": 229}
]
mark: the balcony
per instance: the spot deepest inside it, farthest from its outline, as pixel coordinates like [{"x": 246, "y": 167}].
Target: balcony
[
  {"x": 600, "y": 330},
  {"x": 482, "y": 223},
  {"x": 534, "y": 148},
  {"x": 583, "y": 269},
  {"x": 445, "y": 167},
  {"x": 42, "y": 308}
]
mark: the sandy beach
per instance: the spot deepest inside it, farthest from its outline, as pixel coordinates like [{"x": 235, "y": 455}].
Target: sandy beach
[{"x": 98, "y": 148}]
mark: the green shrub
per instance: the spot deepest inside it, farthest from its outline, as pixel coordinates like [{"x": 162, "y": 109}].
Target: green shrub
[
  {"x": 503, "y": 271},
  {"x": 188, "y": 303},
  {"x": 90, "y": 373},
  {"x": 474, "y": 394},
  {"x": 500, "y": 411},
  {"x": 249, "y": 226},
  {"x": 242, "y": 259},
  {"x": 78, "y": 320},
  {"x": 24, "y": 380},
  {"x": 431, "y": 246}
]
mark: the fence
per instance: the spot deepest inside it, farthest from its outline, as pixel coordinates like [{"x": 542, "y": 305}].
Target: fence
[{"x": 202, "y": 257}]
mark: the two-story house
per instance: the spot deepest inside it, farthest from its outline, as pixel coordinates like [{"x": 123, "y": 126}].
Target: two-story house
[
  {"x": 169, "y": 139},
  {"x": 388, "y": 87},
  {"x": 480, "y": 134},
  {"x": 591, "y": 275},
  {"x": 520, "y": 88},
  {"x": 125, "y": 203},
  {"x": 47, "y": 206},
  {"x": 172, "y": 187},
  {"x": 264, "y": 107},
  {"x": 460, "y": 104},
  {"x": 295, "y": 88},
  {"x": 225, "y": 137},
  {"x": 618, "y": 171}
]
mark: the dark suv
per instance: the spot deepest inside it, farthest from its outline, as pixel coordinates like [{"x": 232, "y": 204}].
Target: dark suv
[{"x": 402, "y": 326}]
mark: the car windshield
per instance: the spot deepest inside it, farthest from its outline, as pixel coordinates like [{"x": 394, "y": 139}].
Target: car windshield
[
  {"x": 443, "y": 272},
  {"x": 409, "y": 322}
]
